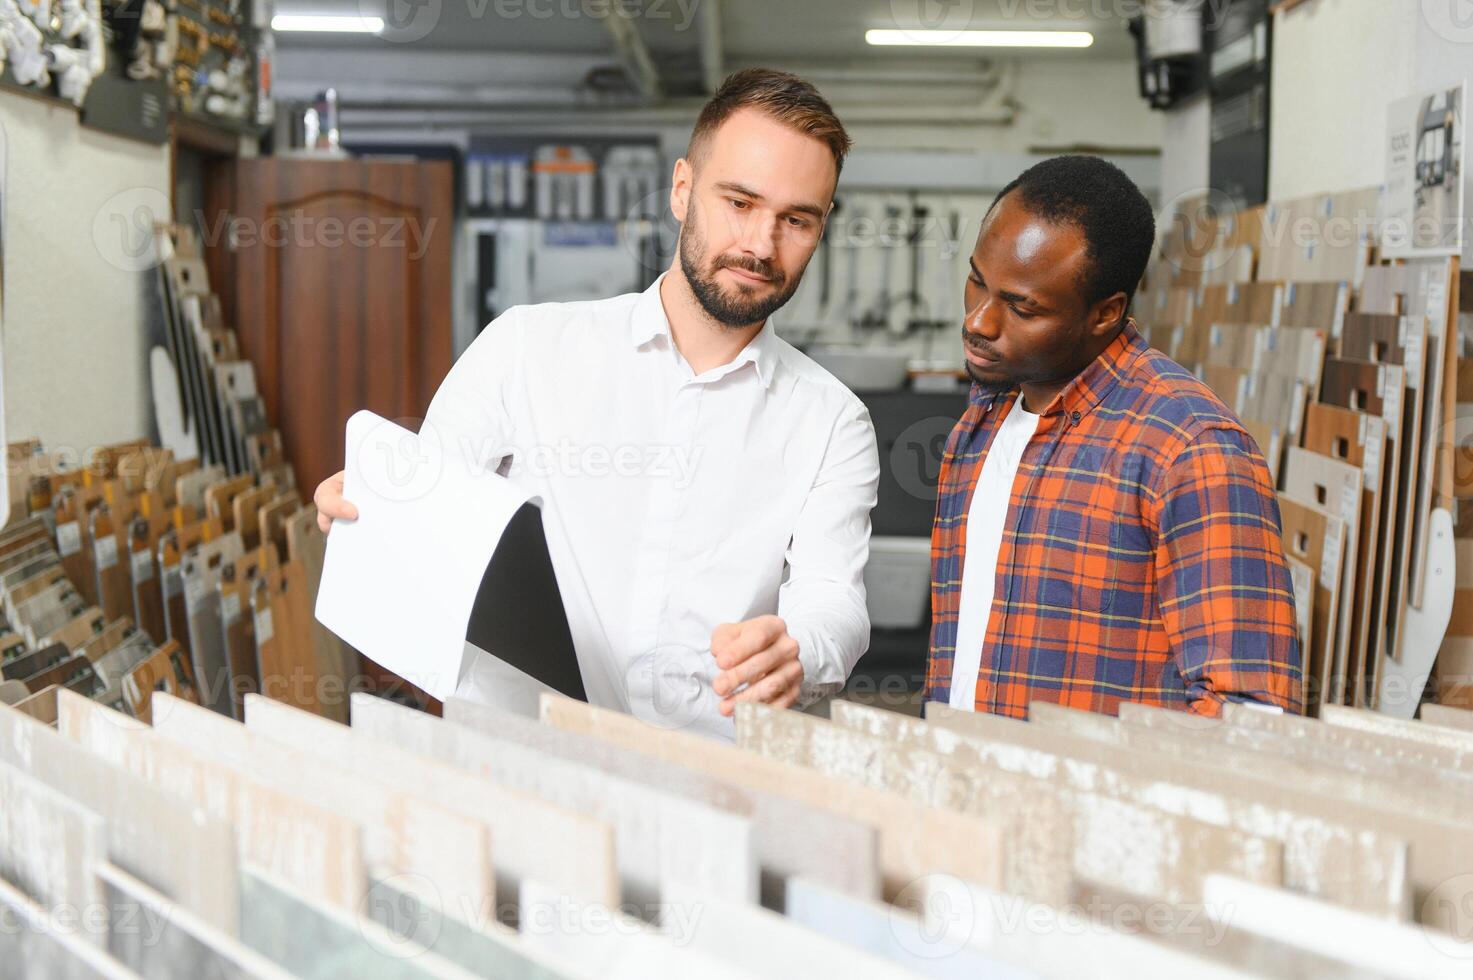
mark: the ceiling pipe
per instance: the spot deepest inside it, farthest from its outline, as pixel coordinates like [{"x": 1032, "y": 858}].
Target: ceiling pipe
[{"x": 713, "y": 61}]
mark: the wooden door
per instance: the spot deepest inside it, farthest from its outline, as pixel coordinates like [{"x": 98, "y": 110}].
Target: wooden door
[{"x": 336, "y": 276}]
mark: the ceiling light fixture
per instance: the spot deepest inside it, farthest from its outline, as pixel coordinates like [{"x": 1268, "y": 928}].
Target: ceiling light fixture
[{"x": 981, "y": 39}]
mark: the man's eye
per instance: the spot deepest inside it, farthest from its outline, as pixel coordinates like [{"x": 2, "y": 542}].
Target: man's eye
[
  {"x": 798, "y": 223},
  {"x": 1021, "y": 314},
  {"x": 739, "y": 205}
]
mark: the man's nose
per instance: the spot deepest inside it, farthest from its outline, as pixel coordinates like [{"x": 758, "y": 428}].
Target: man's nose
[{"x": 984, "y": 320}]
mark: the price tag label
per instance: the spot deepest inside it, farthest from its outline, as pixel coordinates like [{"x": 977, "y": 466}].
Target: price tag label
[
  {"x": 1330, "y": 558},
  {"x": 107, "y": 552},
  {"x": 194, "y": 593},
  {"x": 229, "y": 608},
  {"x": 171, "y": 583},
  {"x": 142, "y": 566},
  {"x": 264, "y": 631},
  {"x": 1373, "y": 435},
  {"x": 68, "y": 538}
]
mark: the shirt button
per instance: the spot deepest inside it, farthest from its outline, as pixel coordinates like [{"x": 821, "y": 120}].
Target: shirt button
[{"x": 1074, "y": 416}]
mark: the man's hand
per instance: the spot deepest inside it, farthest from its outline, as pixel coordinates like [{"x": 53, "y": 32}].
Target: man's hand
[
  {"x": 760, "y": 654},
  {"x": 330, "y": 503}
]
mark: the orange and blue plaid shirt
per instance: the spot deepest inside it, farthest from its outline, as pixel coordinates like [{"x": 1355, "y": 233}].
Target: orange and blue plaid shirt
[{"x": 1141, "y": 556}]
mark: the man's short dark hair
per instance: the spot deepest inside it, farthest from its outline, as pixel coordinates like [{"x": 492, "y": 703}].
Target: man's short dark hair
[
  {"x": 779, "y": 95},
  {"x": 1096, "y": 197}
]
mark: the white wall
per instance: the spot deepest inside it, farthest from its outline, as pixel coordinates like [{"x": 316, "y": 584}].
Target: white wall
[
  {"x": 74, "y": 338},
  {"x": 1336, "y": 66},
  {"x": 1186, "y": 137}
]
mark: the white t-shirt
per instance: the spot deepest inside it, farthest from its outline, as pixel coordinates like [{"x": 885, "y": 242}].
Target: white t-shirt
[{"x": 985, "y": 522}]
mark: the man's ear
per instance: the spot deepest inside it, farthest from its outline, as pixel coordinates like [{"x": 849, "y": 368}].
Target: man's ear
[
  {"x": 681, "y": 182},
  {"x": 1106, "y": 315}
]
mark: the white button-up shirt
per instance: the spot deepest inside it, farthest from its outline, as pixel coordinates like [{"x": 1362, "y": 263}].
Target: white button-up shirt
[{"x": 673, "y": 502}]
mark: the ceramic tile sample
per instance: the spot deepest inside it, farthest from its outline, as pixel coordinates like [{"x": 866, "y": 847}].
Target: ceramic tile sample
[
  {"x": 1448, "y": 716},
  {"x": 1317, "y": 766},
  {"x": 402, "y": 834},
  {"x": 1387, "y": 949},
  {"x": 316, "y": 849},
  {"x": 610, "y": 945},
  {"x": 485, "y": 947},
  {"x": 763, "y": 943},
  {"x": 789, "y": 838},
  {"x": 659, "y": 838},
  {"x": 190, "y": 857},
  {"x": 31, "y": 937},
  {"x": 49, "y": 845},
  {"x": 1120, "y": 843},
  {"x": 1320, "y": 838},
  {"x": 316, "y": 941},
  {"x": 892, "y": 934},
  {"x": 914, "y": 840},
  {"x": 530, "y": 838},
  {"x": 1455, "y": 742},
  {"x": 1055, "y": 943},
  {"x": 1401, "y": 749},
  {"x": 164, "y": 940}
]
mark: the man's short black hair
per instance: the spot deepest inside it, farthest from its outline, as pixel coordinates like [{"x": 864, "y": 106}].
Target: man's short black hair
[{"x": 1096, "y": 197}]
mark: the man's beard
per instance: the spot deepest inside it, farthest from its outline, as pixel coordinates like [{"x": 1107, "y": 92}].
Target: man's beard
[{"x": 745, "y": 307}]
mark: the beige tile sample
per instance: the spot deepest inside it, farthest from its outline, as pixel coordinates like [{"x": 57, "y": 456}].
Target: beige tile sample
[
  {"x": 1325, "y": 851},
  {"x": 1448, "y": 716},
  {"x": 403, "y": 834},
  {"x": 31, "y": 937},
  {"x": 189, "y": 856},
  {"x": 530, "y": 838},
  {"x": 1458, "y": 744},
  {"x": 49, "y": 844},
  {"x": 165, "y": 940},
  {"x": 789, "y": 838},
  {"x": 1119, "y": 843},
  {"x": 318, "y": 850},
  {"x": 914, "y": 839},
  {"x": 659, "y": 838}
]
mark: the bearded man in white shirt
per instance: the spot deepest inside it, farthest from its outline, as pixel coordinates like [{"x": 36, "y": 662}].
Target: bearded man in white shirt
[{"x": 706, "y": 487}]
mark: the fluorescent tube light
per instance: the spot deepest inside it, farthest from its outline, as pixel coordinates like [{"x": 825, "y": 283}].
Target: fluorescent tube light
[
  {"x": 328, "y": 23},
  {"x": 982, "y": 39}
]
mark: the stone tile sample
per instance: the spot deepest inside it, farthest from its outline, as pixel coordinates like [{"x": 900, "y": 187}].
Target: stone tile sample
[
  {"x": 31, "y": 937},
  {"x": 659, "y": 838},
  {"x": 530, "y": 838},
  {"x": 914, "y": 839},
  {"x": 789, "y": 838},
  {"x": 1326, "y": 850},
  {"x": 319, "y": 942},
  {"x": 189, "y": 856},
  {"x": 403, "y": 834},
  {"x": 317, "y": 850},
  {"x": 164, "y": 940},
  {"x": 485, "y": 947},
  {"x": 49, "y": 845},
  {"x": 606, "y": 943},
  {"x": 891, "y": 933},
  {"x": 1120, "y": 843}
]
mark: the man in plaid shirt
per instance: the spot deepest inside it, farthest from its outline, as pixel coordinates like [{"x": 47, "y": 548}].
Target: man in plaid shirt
[{"x": 1106, "y": 530}]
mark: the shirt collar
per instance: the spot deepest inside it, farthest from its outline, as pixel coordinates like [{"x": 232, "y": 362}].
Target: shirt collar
[
  {"x": 1090, "y": 386},
  {"x": 649, "y": 323}
]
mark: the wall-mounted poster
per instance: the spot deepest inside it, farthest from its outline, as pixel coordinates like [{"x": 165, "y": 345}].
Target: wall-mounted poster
[{"x": 1426, "y": 175}]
